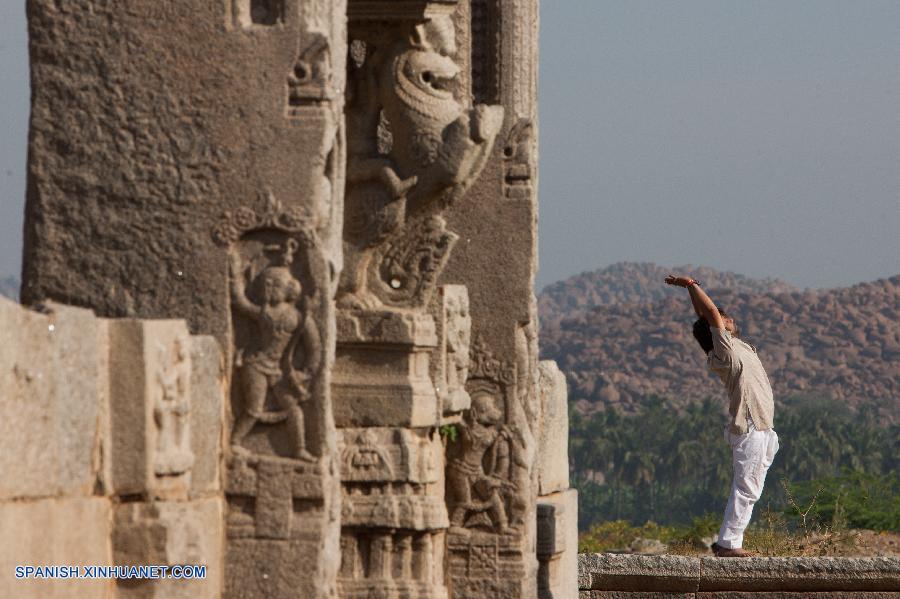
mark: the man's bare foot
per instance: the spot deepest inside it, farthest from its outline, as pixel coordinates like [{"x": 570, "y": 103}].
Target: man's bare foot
[{"x": 725, "y": 552}]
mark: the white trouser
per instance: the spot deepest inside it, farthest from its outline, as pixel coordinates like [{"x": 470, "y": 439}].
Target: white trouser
[{"x": 752, "y": 454}]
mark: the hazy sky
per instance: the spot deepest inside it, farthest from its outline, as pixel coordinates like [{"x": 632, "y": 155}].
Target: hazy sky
[{"x": 760, "y": 137}]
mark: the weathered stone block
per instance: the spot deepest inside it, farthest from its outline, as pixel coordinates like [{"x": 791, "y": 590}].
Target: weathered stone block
[
  {"x": 381, "y": 371},
  {"x": 150, "y": 405},
  {"x": 170, "y": 533},
  {"x": 260, "y": 568},
  {"x": 557, "y": 545},
  {"x": 55, "y": 532},
  {"x": 798, "y": 595},
  {"x": 612, "y": 572},
  {"x": 633, "y": 595},
  {"x": 553, "y": 456},
  {"x": 207, "y": 415},
  {"x": 52, "y": 395},
  {"x": 482, "y": 564},
  {"x": 800, "y": 574}
]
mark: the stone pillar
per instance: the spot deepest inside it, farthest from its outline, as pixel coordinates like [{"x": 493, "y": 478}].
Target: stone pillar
[
  {"x": 186, "y": 160},
  {"x": 414, "y": 149},
  {"x": 493, "y": 481}
]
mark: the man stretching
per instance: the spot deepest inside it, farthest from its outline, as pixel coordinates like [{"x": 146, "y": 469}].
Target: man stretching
[{"x": 749, "y": 431}]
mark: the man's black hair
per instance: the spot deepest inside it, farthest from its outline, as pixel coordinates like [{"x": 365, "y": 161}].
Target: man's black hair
[{"x": 703, "y": 335}]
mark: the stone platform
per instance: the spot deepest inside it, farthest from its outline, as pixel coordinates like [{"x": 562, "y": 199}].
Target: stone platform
[{"x": 613, "y": 576}]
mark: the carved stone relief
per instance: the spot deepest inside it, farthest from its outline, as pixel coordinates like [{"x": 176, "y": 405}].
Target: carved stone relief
[
  {"x": 393, "y": 515},
  {"x": 450, "y": 362},
  {"x": 256, "y": 13},
  {"x": 277, "y": 343},
  {"x": 150, "y": 407},
  {"x": 482, "y": 490},
  {"x": 171, "y": 409},
  {"x": 414, "y": 149},
  {"x": 309, "y": 82},
  {"x": 487, "y": 485},
  {"x": 518, "y": 159}
]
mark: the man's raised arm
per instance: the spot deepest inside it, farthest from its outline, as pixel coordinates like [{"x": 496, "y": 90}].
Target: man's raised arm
[{"x": 703, "y": 306}]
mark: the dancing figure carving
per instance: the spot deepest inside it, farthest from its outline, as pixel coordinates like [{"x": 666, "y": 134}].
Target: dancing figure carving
[
  {"x": 267, "y": 366},
  {"x": 478, "y": 478}
]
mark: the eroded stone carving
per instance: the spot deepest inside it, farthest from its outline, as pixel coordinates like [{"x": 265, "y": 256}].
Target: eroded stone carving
[
  {"x": 414, "y": 149},
  {"x": 364, "y": 460},
  {"x": 518, "y": 158},
  {"x": 458, "y": 332},
  {"x": 309, "y": 82},
  {"x": 249, "y": 13},
  {"x": 278, "y": 353},
  {"x": 406, "y": 266},
  {"x": 450, "y": 363},
  {"x": 393, "y": 514},
  {"x": 171, "y": 410},
  {"x": 484, "y": 465}
]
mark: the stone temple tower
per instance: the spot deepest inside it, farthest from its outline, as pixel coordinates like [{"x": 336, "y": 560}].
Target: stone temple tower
[{"x": 339, "y": 198}]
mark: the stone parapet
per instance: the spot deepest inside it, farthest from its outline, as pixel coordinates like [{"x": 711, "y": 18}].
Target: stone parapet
[
  {"x": 613, "y": 576},
  {"x": 53, "y": 400},
  {"x": 110, "y": 436}
]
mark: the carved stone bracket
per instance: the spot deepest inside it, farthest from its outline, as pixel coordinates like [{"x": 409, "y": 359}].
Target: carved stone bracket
[
  {"x": 405, "y": 268},
  {"x": 414, "y": 149}
]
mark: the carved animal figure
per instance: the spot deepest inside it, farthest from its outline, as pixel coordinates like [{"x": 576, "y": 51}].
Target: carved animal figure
[{"x": 431, "y": 147}]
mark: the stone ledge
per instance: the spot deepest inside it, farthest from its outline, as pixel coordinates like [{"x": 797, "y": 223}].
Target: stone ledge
[
  {"x": 614, "y": 572},
  {"x": 634, "y": 595},
  {"x": 798, "y": 595},
  {"x": 800, "y": 574},
  {"x": 709, "y": 576},
  {"x": 739, "y": 595}
]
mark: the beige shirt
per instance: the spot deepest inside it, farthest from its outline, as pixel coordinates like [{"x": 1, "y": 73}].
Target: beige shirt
[{"x": 745, "y": 380}]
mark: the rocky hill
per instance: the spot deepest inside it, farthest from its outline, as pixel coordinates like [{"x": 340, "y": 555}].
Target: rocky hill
[
  {"x": 844, "y": 343},
  {"x": 633, "y": 282}
]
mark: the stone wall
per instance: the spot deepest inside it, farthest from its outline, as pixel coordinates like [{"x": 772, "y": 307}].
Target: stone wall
[
  {"x": 611, "y": 576},
  {"x": 110, "y": 443}
]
